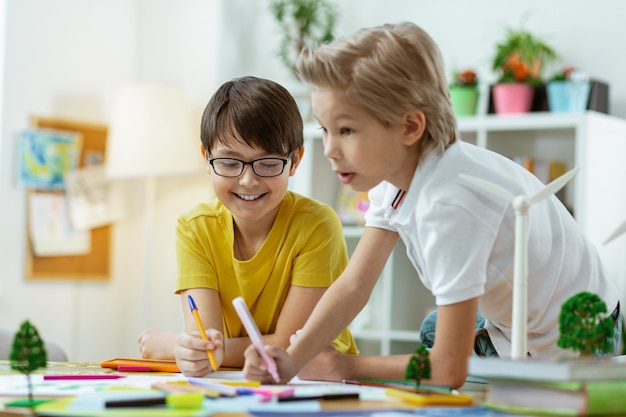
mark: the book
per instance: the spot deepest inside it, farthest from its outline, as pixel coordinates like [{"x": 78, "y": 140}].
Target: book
[
  {"x": 571, "y": 369},
  {"x": 562, "y": 398}
]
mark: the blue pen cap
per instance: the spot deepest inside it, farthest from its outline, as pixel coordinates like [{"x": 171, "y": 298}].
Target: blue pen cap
[{"x": 192, "y": 304}]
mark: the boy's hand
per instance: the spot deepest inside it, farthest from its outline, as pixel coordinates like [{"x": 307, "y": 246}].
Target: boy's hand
[
  {"x": 157, "y": 344},
  {"x": 191, "y": 352},
  {"x": 255, "y": 369},
  {"x": 328, "y": 365}
]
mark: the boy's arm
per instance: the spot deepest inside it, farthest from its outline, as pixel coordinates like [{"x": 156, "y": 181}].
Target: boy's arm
[
  {"x": 209, "y": 307},
  {"x": 297, "y": 308},
  {"x": 454, "y": 343},
  {"x": 345, "y": 298},
  {"x": 190, "y": 350}
]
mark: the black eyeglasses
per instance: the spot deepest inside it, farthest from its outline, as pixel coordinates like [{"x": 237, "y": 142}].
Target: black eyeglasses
[{"x": 263, "y": 167}]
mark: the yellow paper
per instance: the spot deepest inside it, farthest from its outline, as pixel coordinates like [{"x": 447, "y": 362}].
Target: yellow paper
[{"x": 428, "y": 398}]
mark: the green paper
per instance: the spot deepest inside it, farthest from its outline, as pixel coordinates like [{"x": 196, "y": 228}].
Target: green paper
[{"x": 26, "y": 402}]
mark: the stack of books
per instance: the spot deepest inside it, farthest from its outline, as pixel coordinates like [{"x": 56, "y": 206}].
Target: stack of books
[{"x": 575, "y": 386}]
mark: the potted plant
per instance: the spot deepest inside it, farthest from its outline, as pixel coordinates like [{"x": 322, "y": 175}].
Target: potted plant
[
  {"x": 519, "y": 61},
  {"x": 302, "y": 23},
  {"x": 568, "y": 91},
  {"x": 464, "y": 92}
]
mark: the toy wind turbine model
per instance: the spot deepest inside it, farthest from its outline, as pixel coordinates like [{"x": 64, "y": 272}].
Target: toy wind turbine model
[
  {"x": 521, "y": 204},
  {"x": 616, "y": 233}
]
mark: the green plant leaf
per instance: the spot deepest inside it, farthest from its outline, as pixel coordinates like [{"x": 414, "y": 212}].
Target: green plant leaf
[{"x": 303, "y": 23}]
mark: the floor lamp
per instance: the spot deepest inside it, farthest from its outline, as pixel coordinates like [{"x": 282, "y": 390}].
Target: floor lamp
[{"x": 151, "y": 135}]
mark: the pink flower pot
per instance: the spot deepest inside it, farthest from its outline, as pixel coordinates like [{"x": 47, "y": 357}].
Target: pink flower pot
[{"x": 512, "y": 98}]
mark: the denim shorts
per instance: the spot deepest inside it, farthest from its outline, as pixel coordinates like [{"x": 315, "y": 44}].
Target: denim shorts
[{"x": 482, "y": 343}]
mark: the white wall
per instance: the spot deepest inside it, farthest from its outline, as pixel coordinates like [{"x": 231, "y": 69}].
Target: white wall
[
  {"x": 3, "y": 7},
  {"x": 64, "y": 58},
  {"x": 589, "y": 35}
]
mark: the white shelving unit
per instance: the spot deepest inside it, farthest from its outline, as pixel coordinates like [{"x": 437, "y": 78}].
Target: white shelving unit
[{"x": 596, "y": 142}]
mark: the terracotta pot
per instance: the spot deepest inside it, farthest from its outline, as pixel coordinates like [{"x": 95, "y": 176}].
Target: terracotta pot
[{"x": 512, "y": 98}]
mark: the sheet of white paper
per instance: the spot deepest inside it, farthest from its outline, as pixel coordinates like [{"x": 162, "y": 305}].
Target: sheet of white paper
[
  {"x": 50, "y": 229},
  {"x": 93, "y": 199}
]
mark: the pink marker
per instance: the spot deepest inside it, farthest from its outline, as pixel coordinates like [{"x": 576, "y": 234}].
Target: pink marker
[
  {"x": 81, "y": 376},
  {"x": 255, "y": 335}
]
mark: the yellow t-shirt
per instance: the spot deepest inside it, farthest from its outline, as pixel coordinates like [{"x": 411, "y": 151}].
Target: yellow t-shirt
[{"x": 305, "y": 248}]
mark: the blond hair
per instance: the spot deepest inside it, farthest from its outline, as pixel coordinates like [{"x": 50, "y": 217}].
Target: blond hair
[{"x": 389, "y": 70}]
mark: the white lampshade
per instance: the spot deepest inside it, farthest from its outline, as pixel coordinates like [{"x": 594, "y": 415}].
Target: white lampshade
[{"x": 151, "y": 133}]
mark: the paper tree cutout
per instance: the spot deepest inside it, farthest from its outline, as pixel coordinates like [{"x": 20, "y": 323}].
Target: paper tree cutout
[
  {"x": 521, "y": 204},
  {"x": 418, "y": 367},
  {"x": 28, "y": 353},
  {"x": 584, "y": 326}
]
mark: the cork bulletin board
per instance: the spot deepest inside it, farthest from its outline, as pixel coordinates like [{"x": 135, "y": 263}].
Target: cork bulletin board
[{"x": 94, "y": 265}]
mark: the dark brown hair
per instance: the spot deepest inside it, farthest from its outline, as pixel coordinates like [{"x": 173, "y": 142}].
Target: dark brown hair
[{"x": 260, "y": 112}]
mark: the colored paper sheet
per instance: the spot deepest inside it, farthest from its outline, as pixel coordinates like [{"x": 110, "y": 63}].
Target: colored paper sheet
[
  {"x": 51, "y": 232},
  {"x": 44, "y": 156}
]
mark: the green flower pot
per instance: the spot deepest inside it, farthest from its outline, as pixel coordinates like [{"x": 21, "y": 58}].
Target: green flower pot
[{"x": 464, "y": 99}]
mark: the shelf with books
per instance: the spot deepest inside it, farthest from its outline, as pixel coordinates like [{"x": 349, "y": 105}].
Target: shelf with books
[{"x": 594, "y": 141}]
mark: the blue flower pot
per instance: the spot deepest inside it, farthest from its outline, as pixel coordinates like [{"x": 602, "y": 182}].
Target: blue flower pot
[{"x": 568, "y": 96}]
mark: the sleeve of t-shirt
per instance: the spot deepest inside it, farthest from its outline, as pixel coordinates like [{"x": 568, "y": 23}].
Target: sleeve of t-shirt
[
  {"x": 194, "y": 259},
  {"x": 375, "y": 214},
  {"x": 323, "y": 256}
]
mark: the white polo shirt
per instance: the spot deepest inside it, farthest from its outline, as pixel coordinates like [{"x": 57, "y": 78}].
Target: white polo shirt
[{"x": 461, "y": 242}]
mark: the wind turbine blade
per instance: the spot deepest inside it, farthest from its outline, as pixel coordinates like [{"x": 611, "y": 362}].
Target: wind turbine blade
[
  {"x": 553, "y": 187},
  {"x": 616, "y": 233},
  {"x": 488, "y": 186}
]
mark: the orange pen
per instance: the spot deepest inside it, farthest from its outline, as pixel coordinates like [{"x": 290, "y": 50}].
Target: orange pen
[{"x": 196, "y": 315}]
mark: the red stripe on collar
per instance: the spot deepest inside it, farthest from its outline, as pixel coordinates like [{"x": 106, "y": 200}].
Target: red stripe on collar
[{"x": 398, "y": 200}]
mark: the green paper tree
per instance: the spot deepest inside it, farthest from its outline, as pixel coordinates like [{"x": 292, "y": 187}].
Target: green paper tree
[
  {"x": 28, "y": 353},
  {"x": 419, "y": 365},
  {"x": 583, "y": 326}
]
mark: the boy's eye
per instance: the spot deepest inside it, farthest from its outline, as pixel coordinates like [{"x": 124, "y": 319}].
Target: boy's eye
[
  {"x": 270, "y": 165},
  {"x": 229, "y": 164},
  {"x": 346, "y": 131}
]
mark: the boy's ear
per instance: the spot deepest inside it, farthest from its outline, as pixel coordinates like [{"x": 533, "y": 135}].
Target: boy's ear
[
  {"x": 414, "y": 126},
  {"x": 296, "y": 158},
  {"x": 205, "y": 156}
]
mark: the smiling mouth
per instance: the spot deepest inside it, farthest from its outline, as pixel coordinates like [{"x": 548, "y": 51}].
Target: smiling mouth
[{"x": 248, "y": 197}]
